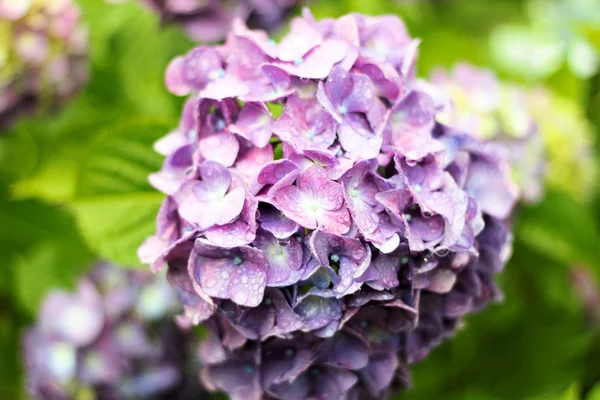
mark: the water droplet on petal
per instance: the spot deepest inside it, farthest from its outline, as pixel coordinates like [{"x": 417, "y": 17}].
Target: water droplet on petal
[{"x": 240, "y": 296}]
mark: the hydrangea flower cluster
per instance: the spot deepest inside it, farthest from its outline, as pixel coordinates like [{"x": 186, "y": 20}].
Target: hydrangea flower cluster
[
  {"x": 114, "y": 336},
  {"x": 210, "y": 20},
  {"x": 319, "y": 219},
  {"x": 545, "y": 138},
  {"x": 44, "y": 57}
]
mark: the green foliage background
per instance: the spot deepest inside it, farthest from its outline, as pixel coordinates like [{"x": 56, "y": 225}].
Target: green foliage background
[{"x": 73, "y": 187}]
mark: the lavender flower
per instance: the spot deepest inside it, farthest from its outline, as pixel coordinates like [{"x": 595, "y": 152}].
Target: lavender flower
[
  {"x": 315, "y": 201},
  {"x": 210, "y": 20},
  {"x": 113, "y": 336},
  {"x": 44, "y": 61}
]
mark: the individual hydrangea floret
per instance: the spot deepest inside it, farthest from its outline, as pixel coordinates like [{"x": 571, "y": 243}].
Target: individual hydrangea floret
[
  {"x": 114, "y": 336},
  {"x": 44, "y": 58},
  {"x": 210, "y": 20},
  {"x": 313, "y": 199}
]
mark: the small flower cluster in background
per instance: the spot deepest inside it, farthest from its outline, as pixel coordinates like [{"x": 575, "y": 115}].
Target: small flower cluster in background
[
  {"x": 211, "y": 20},
  {"x": 114, "y": 336},
  {"x": 545, "y": 138},
  {"x": 320, "y": 219},
  {"x": 43, "y": 60}
]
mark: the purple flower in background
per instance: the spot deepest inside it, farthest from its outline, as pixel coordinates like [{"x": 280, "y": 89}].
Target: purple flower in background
[
  {"x": 114, "y": 336},
  {"x": 321, "y": 220},
  {"x": 476, "y": 102},
  {"x": 211, "y": 20},
  {"x": 44, "y": 60}
]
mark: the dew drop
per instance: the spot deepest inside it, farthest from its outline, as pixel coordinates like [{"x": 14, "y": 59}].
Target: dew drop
[
  {"x": 220, "y": 125},
  {"x": 240, "y": 296},
  {"x": 321, "y": 279},
  {"x": 210, "y": 282}
]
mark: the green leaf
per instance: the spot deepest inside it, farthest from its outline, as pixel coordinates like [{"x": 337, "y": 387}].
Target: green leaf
[
  {"x": 115, "y": 205},
  {"x": 61, "y": 141},
  {"x": 570, "y": 393},
  {"x": 27, "y": 222},
  {"x": 41, "y": 249},
  {"x": 116, "y": 226},
  {"x": 595, "y": 393},
  {"x": 563, "y": 229},
  {"x": 132, "y": 46},
  {"x": 51, "y": 264},
  {"x": 11, "y": 387}
]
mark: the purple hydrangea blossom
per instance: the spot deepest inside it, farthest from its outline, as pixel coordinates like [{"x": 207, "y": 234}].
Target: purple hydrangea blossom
[
  {"x": 211, "y": 20},
  {"x": 44, "y": 60},
  {"x": 114, "y": 336},
  {"x": 476, "y": 102},
  {"x": 333, "y": 210}
]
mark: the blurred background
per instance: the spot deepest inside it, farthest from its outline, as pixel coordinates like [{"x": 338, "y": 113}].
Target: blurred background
[{"x": 73, "y": 185}]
